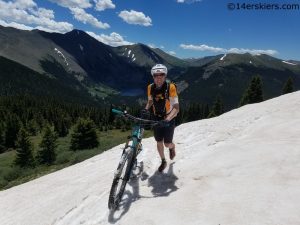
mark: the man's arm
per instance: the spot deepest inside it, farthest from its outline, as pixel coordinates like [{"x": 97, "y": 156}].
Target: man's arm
[
  {"x": 173, "y": 113},
  {"x": 173, "y": 102},
  {"x": 149, "y": 104}
]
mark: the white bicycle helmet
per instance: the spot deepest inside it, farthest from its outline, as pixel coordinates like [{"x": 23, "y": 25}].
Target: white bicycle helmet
[{"x": 159, "y": 68}]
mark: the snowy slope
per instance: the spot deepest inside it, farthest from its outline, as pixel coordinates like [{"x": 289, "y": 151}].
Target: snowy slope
[{"x": 241, "y": 168}]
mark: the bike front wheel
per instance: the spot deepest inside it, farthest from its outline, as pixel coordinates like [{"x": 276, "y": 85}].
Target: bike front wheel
[{"x": 121, "y": 178}]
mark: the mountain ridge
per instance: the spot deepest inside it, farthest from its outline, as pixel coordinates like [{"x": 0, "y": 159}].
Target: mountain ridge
[{"x": 107, "y": 72}]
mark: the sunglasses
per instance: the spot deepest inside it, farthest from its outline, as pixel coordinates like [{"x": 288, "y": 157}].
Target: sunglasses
[{"x": 158, "y": 75}]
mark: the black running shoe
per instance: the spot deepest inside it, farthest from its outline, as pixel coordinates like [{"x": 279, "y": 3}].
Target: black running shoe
[{"x": 162, "y": 166}]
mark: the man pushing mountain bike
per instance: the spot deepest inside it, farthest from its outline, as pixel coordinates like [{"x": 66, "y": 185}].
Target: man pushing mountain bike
[{"x": 163, "y": 101}]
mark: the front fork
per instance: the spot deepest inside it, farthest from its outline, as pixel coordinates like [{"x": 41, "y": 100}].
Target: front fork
[{"x": 139, "y": 148}]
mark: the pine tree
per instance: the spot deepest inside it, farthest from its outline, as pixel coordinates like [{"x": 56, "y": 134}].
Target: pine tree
[
  {"x": 2, "y": 147},
  {"x": 119, "y": 123},
  {"x": 13, "y": 125},
  {"x": 288, "y": 86},
  {"x": 127, "y": 125},
  {"x": 24, "y": 156},
  {"x": 48, "y": 145},
  {"x": 205, "y": 111},
  {"x": 32, "y": 127},
  {"x": 217, "y": 109},
  {"x": 101, "y": 128},
  {"x": 84, "y": 135},
  {"x": 253, "y": 93},
  {"x": 61, "y": 127},
  {"x": 111, "y": 116}
]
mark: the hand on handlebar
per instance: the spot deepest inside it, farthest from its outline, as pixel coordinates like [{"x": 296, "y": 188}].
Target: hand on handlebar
[{"x": 145, "y": 114}]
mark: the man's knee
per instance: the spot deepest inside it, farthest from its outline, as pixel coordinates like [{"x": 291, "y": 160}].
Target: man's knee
[
  {"x": 167, "y": 145},
  {"x": 160, "y": 143}
]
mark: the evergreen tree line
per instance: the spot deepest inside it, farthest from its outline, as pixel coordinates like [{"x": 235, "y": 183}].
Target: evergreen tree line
[
  {"x": 33, "y": 114},
  {"x": 84, "y": 136},
  {"x": 252, "y": 94},
  {"x": 254, "y": 91}
]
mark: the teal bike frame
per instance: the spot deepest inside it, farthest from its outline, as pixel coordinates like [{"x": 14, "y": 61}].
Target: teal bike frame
[{"x": 128, "y": 158}]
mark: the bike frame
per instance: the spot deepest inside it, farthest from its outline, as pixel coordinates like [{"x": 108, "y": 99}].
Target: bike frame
[
  {"x": 136, "y": 134},
  {"x": 131, "y": 150}
]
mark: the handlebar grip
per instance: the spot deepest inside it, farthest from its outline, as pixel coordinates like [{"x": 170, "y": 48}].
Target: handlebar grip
[{"x": 117, "y": 111}]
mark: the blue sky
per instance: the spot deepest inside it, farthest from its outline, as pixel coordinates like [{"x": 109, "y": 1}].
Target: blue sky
[{"x": 184, "y": 28}]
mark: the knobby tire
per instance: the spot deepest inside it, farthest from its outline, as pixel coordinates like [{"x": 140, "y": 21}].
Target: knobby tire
[{"x": 120, "y": 181}]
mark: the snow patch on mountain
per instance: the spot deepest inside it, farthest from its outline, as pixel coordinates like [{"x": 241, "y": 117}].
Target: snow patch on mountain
[
  {"x": 223, "y": 57},
  {"x": 293, "y": 64},
  {"x": 81, "y": 47},
  {"x": 61, "y": 55}
]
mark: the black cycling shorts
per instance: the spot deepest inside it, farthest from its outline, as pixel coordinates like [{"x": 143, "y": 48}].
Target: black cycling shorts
[{"x": 164, "y": 134}]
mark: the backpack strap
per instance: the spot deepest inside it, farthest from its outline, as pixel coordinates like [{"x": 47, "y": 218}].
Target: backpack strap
[
  {"x": 152, "y": 87},
  {"x": 167, "y": 92}
]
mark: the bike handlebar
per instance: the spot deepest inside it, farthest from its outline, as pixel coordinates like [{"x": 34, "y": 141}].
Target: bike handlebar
[{"x": 127, "y": 115}]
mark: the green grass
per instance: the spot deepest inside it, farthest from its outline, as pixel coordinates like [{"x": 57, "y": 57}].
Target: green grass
[{"x": 11, "y": 175}]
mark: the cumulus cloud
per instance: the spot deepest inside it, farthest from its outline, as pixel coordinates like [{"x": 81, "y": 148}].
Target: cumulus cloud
[
  {"x": 188, "y": 1},
  {"x": 84, "y": 17},
  {"x": 101, "y": 5},
  {"x": 152, "y": 45},
  {"x": 224, "y": 50},
  {"x": 114, "y": 39},
  {"x": 77, "y": 8},
  {"x": 15, "y": 25},
  {"x": 73, "y": 3},
  {"x": 25, "y": 14},
  {"x": 136, "y": 18},
  {"x": 202, "y": 48},
  {"x": 252, "y": 51},
  {"x": 172, "y": 52}
]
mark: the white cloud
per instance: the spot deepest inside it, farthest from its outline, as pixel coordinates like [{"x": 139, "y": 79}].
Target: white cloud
[
  {"x": 42, "y": 13},
  {"x": 252, "y": 51},
  {"x": 25, "y": 14},
  {"x": 172, "y": 52},
  {"x": 101, "y": 5},
  {"x": 23, "y": 4},
  {"x": 152, "y": 45},
  {"x": 224, "y": 50},
  {"x": 134, "y": 17},
  {"x": 114, "y": 39},
  {"x": 77, "y": 8},
  {"x": 188, "y": 1},
  {"x": 73, "y": 3},
  {"x": 84, "y": 17},
  {"x": 202, "y": 48},
  {"x": 15, "y": 25}
]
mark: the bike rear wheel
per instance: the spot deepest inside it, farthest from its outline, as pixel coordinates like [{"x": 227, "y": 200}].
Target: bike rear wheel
[{"x": 121, "y": 178}]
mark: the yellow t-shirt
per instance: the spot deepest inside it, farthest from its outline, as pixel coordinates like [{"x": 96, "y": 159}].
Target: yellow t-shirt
[{"x": 162, "y": 104}]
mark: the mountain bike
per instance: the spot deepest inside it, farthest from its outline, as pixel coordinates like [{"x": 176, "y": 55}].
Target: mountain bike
[{"x": 132, "y": 148}]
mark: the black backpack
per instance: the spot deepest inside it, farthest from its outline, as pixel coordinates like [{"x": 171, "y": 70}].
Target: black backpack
[{"x": 159, "y": 104}]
